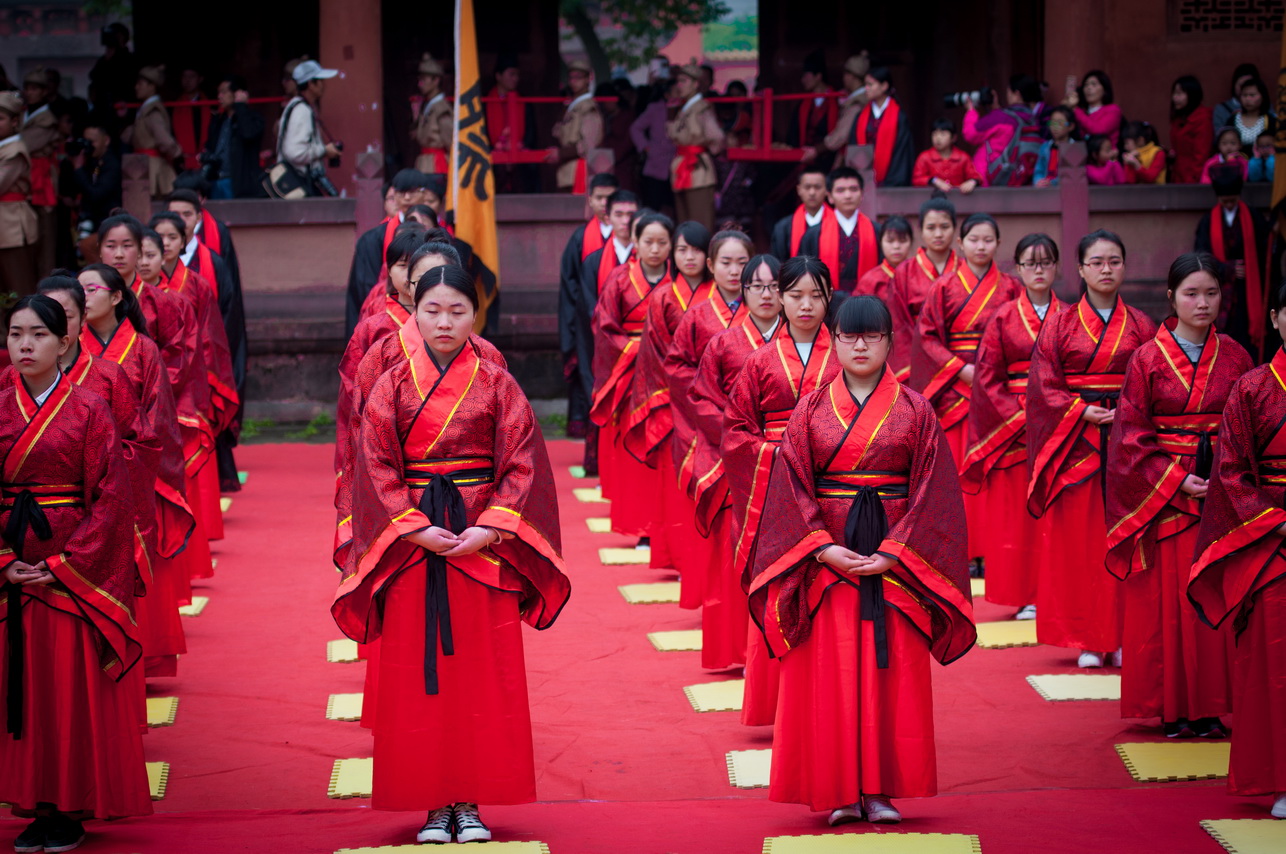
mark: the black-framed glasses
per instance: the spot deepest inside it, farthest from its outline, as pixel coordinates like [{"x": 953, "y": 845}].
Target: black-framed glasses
[
  {"x": 760, "y": 287},
  {"x": 1116, "y": 262},
  {"x": 1037, "y": 265},
  {"x": 850, "y": 338}
]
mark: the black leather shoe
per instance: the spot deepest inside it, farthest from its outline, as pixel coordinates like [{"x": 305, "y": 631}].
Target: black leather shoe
[
  {"x": 63, "y": 834},
  {"x": 32, "y": 839}
]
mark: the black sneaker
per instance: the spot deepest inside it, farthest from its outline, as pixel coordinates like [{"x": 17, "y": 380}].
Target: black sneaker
[
  {"x": 437, "y": 829},
  {"x": 1209, "y": 728},
  {"x": 468, "y": 826},
  {"x": 1177, "y": 729},
  {"x": 32, "y": 839},
  {"x": 63, "y": 834}
]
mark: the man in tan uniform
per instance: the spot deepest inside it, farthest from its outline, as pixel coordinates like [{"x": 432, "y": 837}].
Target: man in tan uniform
[
  {"x": 18, "y": 270},
  {"x": 151, "y": 133},
  {"x": 696, "y": 134},
  {"x": 41, "y": 136},
  {"x": 580, "y": 130},
  {"x": 434, "y": 124},
  {"x": 849, "y": 107}
]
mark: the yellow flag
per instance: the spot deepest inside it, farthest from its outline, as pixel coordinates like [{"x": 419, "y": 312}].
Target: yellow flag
[{"x": 473, "y": 187}]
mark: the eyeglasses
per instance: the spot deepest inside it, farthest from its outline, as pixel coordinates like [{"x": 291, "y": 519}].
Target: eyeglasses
[
  {"x": 1037, "y": 265},
  {"x": 1113, "y": 263},
  {"x": 850, "y": 338},
  {"x": 760, "y": 288},
  {"x": 90, "y": 289}
]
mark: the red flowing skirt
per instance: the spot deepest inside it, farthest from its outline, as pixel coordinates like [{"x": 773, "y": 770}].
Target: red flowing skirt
[
  {"x": 370, "y": 653},
  {"x": 1078, "y": 602},
  {"x": 1016, "y": 543},
  {"x": 1175, "y": 665},
  {"x": 725, "y": 614},
  {"x": 82, "y": 749},
  {"x": 846, "y": 728},
  {"x": 763, "y": 678},
  {"x": 197, "y": 556},
  {"x": 472, "y": 740},
  {"x": 635, "y": 508},
  {"x": 608, "y": 449},
  {"x": 207, "y": 484},
  {"x": 975, "y": 505},
  {"x": 1258, "y": 764},
  {"x": 160, "y": 626},
  {"x": 662, "y": 531}
]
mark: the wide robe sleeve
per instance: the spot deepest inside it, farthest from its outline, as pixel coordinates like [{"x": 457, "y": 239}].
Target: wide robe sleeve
[
  {"x": 997, "y": 417},
  {"x": 1053, "y": 415},
  {"x": 933, "y": 365}
]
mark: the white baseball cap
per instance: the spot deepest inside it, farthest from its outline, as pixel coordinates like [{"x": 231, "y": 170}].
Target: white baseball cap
[{"x": 310, "y": 69}]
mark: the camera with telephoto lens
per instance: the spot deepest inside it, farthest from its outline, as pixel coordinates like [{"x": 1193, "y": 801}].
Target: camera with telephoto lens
[
  {"x": 78, "y": 144},
  {"x": 980, "y": 96},
  {"x": 334, "y": 161},
  {"x": 318, "y": 176}
]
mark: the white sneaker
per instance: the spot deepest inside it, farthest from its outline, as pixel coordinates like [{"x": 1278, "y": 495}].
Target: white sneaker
[
  {"x": 1279, "y": 806},
  {"x": 1090, "y": 659},
  {"x": 880, "y": 810},
  {"x": 1026, "y": 612},
  {"x": 438, "y": 828},
  {"x": 845, "y": 815},
  {"x": 468, "y": 826},
  {"x": 1116, "y": 658}
]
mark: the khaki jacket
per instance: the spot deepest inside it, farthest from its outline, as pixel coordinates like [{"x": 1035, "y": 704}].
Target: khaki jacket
[
  {"x": 152, "y": 131},
  {"x": 434, "y": 128},
  {"x": 849, "y": 109},
  {"x": 17, "y": 219},
  {"x": 40, "y": 133},
  {"x": 696, "y": 125},
  {"x": 580, "y": 130}
]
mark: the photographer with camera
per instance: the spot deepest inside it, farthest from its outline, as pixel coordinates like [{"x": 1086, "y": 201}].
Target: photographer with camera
[
  {"x": 1007, "y": 139},
  {"x": 230, "y": 161},
  {"x": 97, "y": 171},
  {"x": 300, "y": 145}
]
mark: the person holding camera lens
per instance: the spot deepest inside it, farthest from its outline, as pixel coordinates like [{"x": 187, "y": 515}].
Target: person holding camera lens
[{"x": 300, "y": 144}]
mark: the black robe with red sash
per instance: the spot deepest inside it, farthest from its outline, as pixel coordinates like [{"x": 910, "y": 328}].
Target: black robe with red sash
[
  {"x": 1243, "y": 313},
  {"x": 891, "y": 136},
  {"x": 584, "y": 241},
  {"x": 790, "y": 230},
  {"x": 848, "y": 264}
]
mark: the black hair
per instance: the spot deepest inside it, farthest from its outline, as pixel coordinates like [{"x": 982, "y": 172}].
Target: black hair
[
  {"x": 864, "y": 313},
  {"x": 451, "y": 276},
  {"x": 841, "y": 172},
  {"x": 621, "y": 197},
  {"x": 880, "y": 74},
  {"x": 945, "y": 124},
  {"x": 1265, "y": 101},
  {"x": 403, "y": 245},
  {"x": 728, "y": 234},
  {"x": 604, "y": 179},
  {"x": 794, "y": 269},
  {"x": 898, "y": 225},
  {"x": 423, "y": 210},
  {"x": 1219, "y": 133},
  {"x": 1192, "y": 262},
  {"x": 439, "y": 235},
  {"x": 1073, "y": 124},
  {"x": 1094, "y": 144},
  {"x": 1191, "y": 87},
  {"x": 435, "y": 247},
  {"x": 694, "y": 234},
  {"x": 752, "y": 267},
  {"x": 1139, "y": 130},
  {"x": 128, "y": 308},
  {"x": 195, "y": 181},
  {"x": 813, "y": 168},
  {"x": 235, "y": 82},
  {"x": 172, "y": 218},
  {"x": 1027, "y": 87},
  {"x": 653, "y": 218},
  {"x": 1094, "y": 237},
  {"x": 185, "y": 196},
  {"x": 408, "y": 180},
  {"x": 152, "y": 235},
  {"x": 117, "y": 220},
  {"x": 1246, "y": 69},
  {"x": 1036, "y": 240},
  {"x": 47, "y": 309},
  {"x": 1102, "y": 78},
  {"x": 65, "y": 281},
  {"x": 941, "y": 204},
  {"x": 976, "y": 219}
]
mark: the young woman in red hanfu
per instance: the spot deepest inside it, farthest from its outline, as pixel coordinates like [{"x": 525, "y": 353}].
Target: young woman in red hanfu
[
  {"x": 647, "y": 429},
  {"x": 1239, "y": 577},
  {"x": 858, "y": 581},
  {"x": 1159, "y": 462},
  {"x": 618, "y": 329},
  {"x": 957, "y": 309},
  {"x": 72, "y": 746},
  {"x": 773, "y": 379},
  {"x": 895, "y": 247},
  {"x": 995, "y": 466},
  {"x": 456, "y": 544},
  {"x": 729, "y": 253},
  {"x": 1076, "y": 373},
  {"x": 914, "y": 278},
  {"x": 159, "y": 624},
  {"x": 724, "y": 623}
]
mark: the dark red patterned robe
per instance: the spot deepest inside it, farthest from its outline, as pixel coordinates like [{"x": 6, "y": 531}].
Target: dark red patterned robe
[{"x": 912, "y": 281}]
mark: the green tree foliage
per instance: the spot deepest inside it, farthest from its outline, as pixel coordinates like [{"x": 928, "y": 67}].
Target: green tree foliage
[{"x": 643, "y": 26}]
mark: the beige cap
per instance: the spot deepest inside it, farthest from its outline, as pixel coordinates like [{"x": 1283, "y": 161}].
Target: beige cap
[
  {"x": 580, "y": 65},
  {"x": 37, "y": 77},
  {"x": 154, "y": 74},
  {"x": 691, "y": 69},
  {"x": 429, "y": 65},
  {"x": 12, "y": 103},
  {"x": 858, "y": 64}
]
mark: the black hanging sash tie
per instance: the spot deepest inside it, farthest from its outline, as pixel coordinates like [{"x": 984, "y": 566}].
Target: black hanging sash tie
[
  {"x": 864, "y": 529},
  {"x": 443, "y": 504},
  {"x": 1189, "y": 435},
  {"x": 25, "y": 503},
  {"x": 1101, "y": 390}
]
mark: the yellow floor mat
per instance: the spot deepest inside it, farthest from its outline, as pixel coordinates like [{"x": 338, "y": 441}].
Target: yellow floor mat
[
  {"x": 342, "y": 651},
  {"x": 344, "y": 707},
  {"x": 1169, "y": 762},
  {"x": 687, "y": 640},
  {"x": 660, "y": 593},
  {"x": 351, "y": 778},
  {"x": 883, "y": 842},
  {"x": 506, "y": 847},
  {"x": 197, "y": 606},
  {"x": 161, "y": 711},
  {"x": 1077, "y": 686},
  {"x": 225, "y": 503},
  {"x": 1007, "y": 633},
  {"x": 748, "y": 769},
  {"x": 589, "y": 495},
  {"x": 725, "y": 696},
  {"x": 1248, "y": 835},
  {"x": 978, "y": 586},
  {"x": 158, "y": 778},
  {"x": 624, "y": 557},
  {"x": 599, "y": 525}
]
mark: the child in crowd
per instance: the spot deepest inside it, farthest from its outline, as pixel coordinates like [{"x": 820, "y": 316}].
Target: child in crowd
[
  {"x": 1144, "y": 160},
  {"x": 1063, "y": 128},
  {"x": 1228, "y": 150},
  {"x": 1260, "y": 167},
  {"x": 1103, "y": 167},
  {"x": 944, "y": 166}
]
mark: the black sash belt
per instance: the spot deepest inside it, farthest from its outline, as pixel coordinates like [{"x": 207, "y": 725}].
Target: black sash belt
[
  {"x": 1108, "y": 399},
  {"x": 26, "y": 515},
  {"x": 1205, "y": 453},
  {"x": 444, "y": 506},
  {"x": 864, "y": 530}
]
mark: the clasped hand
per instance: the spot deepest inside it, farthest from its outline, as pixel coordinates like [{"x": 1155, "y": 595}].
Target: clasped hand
[
  {"x": 27, "y": 575},
  {"x": 1098, "y": 415},
  {"x": 852, "y": 563},
  {"x": 1194, "y": 486},
  {"x": 442, "y": 542}
]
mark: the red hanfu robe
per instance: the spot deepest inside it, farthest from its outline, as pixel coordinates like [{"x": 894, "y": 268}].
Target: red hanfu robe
[
  {"x": 1079, "y": 359},
  {"x": 1165, "y": 429},
  {"x": 369, "y": 332},
  {"x": 724, "y": 621},
  {"x": 770, "y": 384},
  {"x": 1240, "y": 567},
  {"x": 469, "y": 740},
  {"x": 912, "y": 281},
  {"x": 995, "y": 466},
  {"x": 877, "y": 281},
  {"x": 618, "y": 329},
  {"x": 72, "y": 739},
  {"x": 215, "y": 352},
  {"x": 846, "y": 726}
]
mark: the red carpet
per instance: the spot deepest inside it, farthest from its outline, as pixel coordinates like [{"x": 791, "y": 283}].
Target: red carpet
[{"x": 624, "y": 764}]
